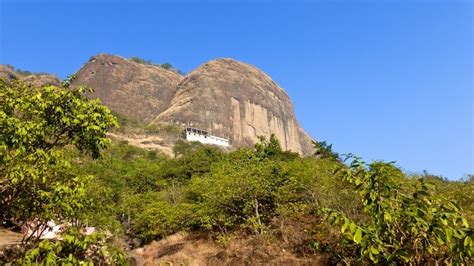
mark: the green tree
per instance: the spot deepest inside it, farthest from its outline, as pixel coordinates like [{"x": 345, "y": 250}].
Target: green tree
[
  {"x": 37, "y": 125},
  {"x": 324, "y": 150},
  {"x": 412, "y": 225},
  {"x": 268, "y": 148},
  {"x": 167, "y": 66}
]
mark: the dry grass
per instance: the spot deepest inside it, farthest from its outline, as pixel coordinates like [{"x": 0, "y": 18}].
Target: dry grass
[{"x": 193, "y": 249}]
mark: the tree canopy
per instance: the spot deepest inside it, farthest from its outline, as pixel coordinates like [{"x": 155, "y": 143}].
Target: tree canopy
[{"x": 38, "y": 127}]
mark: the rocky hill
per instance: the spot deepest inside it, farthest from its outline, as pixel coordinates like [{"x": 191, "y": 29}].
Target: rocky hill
[
  {"x": 236, "y": 101},
  {"x": 37, "y": 79},
  {"x": 228, "y": 98},
  {"x": 136, "y": 90}
]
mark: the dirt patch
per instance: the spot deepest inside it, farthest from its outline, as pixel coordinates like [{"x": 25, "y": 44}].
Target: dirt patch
[
  {"x": 8, "y": 237},
  {"x": 177, "y": 249},
  {"x": 190, "y": 249},
  {"x": 148, "y": 142}
]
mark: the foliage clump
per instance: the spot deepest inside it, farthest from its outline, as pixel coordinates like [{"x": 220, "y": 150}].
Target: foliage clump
[
  {"x": 324, "y": 150},
  {"x": 165, "y": 129},
  {"x": 74, "y": 248},
  {"x": 38, "y": 184},
  {"x": 412, "y": 226}
]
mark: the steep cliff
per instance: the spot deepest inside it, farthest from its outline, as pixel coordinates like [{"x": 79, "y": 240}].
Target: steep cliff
[
  {"x": 138, "y": 91},
  {"x": 237, "y": 101}
]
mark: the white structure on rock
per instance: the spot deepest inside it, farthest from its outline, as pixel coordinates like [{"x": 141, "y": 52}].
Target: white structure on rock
[{"x": 194, "y": 134}]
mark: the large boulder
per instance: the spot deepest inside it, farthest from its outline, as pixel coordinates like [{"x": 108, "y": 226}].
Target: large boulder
[
  {"x": 136, "y": 90},
  {"x": 237, "y": 101}
]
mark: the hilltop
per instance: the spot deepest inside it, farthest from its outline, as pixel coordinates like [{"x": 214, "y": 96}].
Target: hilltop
[{"x": 228, "y": 98}]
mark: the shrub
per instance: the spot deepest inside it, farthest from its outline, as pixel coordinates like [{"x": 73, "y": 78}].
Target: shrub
[
  {"x": 74, "y": 249},
  {"x": 153, "y": 217},
  {"x": 166, "y": 129},
  {"x": 417, "y": 227}
]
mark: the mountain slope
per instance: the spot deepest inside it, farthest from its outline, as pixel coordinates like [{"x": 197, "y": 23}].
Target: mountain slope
[
  {"x": 136, "y": 90},
  {"x": 236, "y": 101},
  {"x": 226, "y": 97}
]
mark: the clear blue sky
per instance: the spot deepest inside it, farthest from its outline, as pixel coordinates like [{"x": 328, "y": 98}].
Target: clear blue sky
[{"x": 389, "y": 80}]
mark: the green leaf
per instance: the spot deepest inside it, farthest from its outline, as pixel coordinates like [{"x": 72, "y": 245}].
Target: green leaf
[
  {"x": 374, "y": 250},
  {"x": 358, "y": 235},
  {"x": 449, "y": 234},
  {"x": 464, "y": 222},
  {"x": 345, "y": 225},
  {"x": 352, "y": 227},
  {"x": 467, "y": 241}
]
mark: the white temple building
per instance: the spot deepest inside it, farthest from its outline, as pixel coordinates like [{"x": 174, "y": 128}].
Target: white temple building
[{"x": 194, "y": 134}]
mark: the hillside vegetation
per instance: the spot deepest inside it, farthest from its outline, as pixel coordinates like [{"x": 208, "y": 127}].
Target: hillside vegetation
[{"x": 57, "y": 164}]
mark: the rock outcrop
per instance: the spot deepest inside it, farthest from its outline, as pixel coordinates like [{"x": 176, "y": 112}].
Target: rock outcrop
[
  {"x": 236, "y": 101},
  {"x": 136, "y": 90},
  {"x": 42, "y": 80},
  {"x": 36, "y": 79},
  {"x": 7, "y": 73},
  {"x": 228, "y": 98}
]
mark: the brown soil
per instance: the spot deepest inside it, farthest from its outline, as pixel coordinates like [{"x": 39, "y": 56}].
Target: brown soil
[
  {"x": 189, "y": 249},
  {"x": 148, "y": 142},
  {"x": 8, "y": 238}
]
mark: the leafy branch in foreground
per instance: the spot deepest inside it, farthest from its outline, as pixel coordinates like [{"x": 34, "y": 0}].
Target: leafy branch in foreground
[
  {"x": 37, "y": 126},
  {"x": 403, "y": 227}
]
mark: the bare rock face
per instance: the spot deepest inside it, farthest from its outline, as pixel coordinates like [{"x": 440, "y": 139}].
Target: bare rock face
[
  {"x": 228, "y": 98},
  {"x": 7, "y": 73},
  {"x": 236, "y": 101},
  {"x": 138, "y": 91},
  {"x": 39, "y": 80},
  {"x": 35, "y": 79}
]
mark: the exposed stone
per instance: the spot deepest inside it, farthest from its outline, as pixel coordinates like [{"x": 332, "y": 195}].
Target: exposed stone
[
  {"x": 9, "y": 73},
  {"x": 228, "y": 98},
  {"x": 236, "y": 101},
  {"x": 39, "y": 80},
  {"x": 138, "y": 91}
]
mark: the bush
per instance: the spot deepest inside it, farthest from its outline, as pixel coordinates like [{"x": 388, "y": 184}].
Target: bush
[
  {"x": 165, "y": 129},
  {"x": 417, "y": 227},
  {"x": 74, "y": 249},
  {"x": 153, "y": 217}
]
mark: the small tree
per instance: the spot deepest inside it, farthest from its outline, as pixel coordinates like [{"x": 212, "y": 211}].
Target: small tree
[
  {"x": 167, "y": 66},
  {"x": 37, "y": 125},
  {"x": 324, "y": 150},
  {"x": 268, "y": 148}
]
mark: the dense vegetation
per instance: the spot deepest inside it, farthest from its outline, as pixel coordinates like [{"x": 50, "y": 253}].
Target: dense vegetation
[
  {"x": 385, "y": 215},
  {"x": 319, "y": 206}
]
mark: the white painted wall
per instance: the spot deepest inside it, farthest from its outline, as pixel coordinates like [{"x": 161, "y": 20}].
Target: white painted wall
[{"x": 206, "y": 139}]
